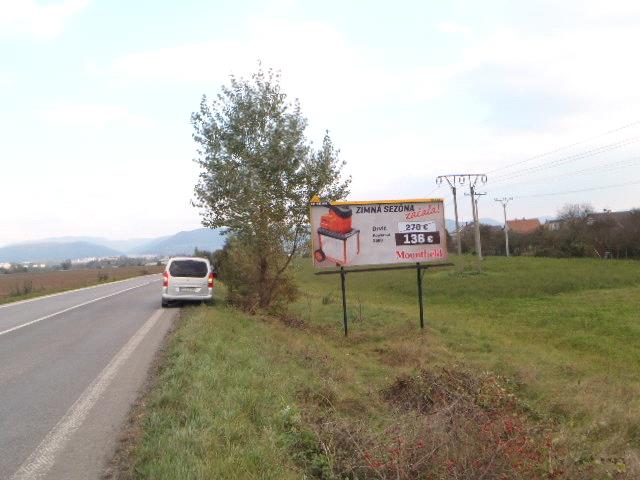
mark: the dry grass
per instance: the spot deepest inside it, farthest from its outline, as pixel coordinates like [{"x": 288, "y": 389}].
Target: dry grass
[
  {"x": 25, "y": 285},
  {"x": 446, "y": 423}
]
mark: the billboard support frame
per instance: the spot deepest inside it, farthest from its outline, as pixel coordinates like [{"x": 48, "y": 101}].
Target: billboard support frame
[
  {"x": 343, "y": 276},
  {"x": 419, "y": 267},
  {"x": 420, "y": 295}
]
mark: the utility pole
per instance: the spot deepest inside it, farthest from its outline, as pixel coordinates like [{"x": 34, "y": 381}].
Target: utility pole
[
  {"x": 460, "y": 179},
  {"x": 476, "y": 219},
  {"x": 478, "y": 238},
  {"x": 451, "y": 180},
  {"x": 504, "y": 201}
]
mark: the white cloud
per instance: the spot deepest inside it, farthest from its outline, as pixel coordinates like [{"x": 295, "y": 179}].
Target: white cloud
[
  {"x": 7, "y": 79},
  {"x": 452, "y": 27},
  {"x": 330, "y": 75},
  {"x": 93, "y": 115},
  {"x": 318, "y": 64},
  {"x": 27, "y": 17}
]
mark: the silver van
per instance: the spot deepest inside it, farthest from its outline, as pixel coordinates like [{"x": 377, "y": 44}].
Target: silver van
[{"x": 187, "y": 279}]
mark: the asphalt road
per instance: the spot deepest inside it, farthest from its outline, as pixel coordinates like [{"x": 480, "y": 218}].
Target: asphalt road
[{"x": 71, "y": 365}]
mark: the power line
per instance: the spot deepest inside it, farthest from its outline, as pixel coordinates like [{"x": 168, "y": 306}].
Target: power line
[
  {"x": 579, "y": 191},
  {"x": 432, "y": 191},
  {"x": 566, "y": 147},
  {"x": 586, "y": 171},
  {"x": 568, "y": 159},
  {"x": 577, "y": 156}
]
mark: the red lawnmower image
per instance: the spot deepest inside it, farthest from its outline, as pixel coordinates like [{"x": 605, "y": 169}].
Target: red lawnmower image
[{"x": 337, "y": 240}]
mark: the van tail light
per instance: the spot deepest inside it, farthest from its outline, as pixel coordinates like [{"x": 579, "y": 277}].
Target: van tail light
[
  {"x": 211, "y": 277},
  {"x": 165, "y": 279}
]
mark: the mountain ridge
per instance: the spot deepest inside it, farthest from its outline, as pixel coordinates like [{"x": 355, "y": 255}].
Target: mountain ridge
[
  {"x": 78, "y": 247},
  {"x": 53, "y": 251}
]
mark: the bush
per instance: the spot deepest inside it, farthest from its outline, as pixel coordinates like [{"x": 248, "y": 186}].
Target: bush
[
  {"x": 251, "y": 285},
  {"x": 23, "y": 289},
  {"x": 103, "y": 277}
]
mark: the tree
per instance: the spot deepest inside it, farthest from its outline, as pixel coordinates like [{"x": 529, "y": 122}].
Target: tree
[
  {"x": 575, "y": 213},
  {"x": 209, "y": 255},
  {"x": 630, "y": 234},
  {"x": 574, "y": 236},
  {"x": 258, "y": 173}
]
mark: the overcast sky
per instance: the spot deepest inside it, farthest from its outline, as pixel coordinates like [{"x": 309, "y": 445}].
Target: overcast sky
[{"x": 96, "y": 98}]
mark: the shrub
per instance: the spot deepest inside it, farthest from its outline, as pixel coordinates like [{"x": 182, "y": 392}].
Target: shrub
[
  {"x": 251, "y": 285},
  {"x": 445, "y": 424},
  {"x": 23, "y": 289},
  {"x": 103, "y": 277}
]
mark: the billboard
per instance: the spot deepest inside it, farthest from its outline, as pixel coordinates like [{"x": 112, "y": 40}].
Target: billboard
[{"x": 377, "y": 232}]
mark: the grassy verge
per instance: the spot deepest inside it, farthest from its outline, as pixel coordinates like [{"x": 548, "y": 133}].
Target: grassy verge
[
  {"x": 249, "y": 397},
  {"x": 221, "y": 403},
  {"x": 23, "y": 286}
]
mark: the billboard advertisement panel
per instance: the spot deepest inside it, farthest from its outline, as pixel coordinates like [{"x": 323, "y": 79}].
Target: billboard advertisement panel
[{"x": 378, "y": 232}]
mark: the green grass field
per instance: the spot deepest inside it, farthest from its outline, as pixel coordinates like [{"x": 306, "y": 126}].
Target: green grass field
[{"x": 254, "y": 397}]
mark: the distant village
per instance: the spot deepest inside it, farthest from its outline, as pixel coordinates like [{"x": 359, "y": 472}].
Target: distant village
[
  {"x": 578, "y": 231},
  {"x": 88, "y": 262}
]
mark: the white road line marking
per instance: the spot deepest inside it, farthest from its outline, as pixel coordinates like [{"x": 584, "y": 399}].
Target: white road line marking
[
  {"x": 44, "y": 456},
  {"x": 18, "y": 327},
  {"x": 35, "y": 299}
]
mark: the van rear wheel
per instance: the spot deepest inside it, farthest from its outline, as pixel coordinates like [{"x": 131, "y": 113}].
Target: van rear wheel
[{"x": 165, "y": 304}]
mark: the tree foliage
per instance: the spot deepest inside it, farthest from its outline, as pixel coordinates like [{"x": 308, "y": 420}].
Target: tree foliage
[{"x": 258, "y": 173}]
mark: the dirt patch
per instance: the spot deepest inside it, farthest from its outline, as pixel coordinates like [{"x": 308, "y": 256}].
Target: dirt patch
[
  {"x": 293, "y": 321},
  {"x": 445, "y": 423},
  {"x": 120, "y": 466},
  {"x": 400, "y": 354}
]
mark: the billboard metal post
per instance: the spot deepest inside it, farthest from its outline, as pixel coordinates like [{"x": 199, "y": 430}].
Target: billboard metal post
[
  {"x": 343, "y": 274},
  {"x": 418, "y": 266},
  {"x": 420, "y": 300}
]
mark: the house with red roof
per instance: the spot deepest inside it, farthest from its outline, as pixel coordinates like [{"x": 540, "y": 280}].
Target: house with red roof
[{"x": 524, "y": 226}]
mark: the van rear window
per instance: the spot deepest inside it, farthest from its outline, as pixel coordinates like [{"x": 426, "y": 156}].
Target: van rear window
[{"x": 188, "y": 268}]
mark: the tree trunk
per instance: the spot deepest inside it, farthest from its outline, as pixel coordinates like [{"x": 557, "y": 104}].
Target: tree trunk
[{"x": 264, "y": 285}]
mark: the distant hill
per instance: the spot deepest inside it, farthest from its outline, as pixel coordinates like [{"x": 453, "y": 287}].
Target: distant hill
[
  {"x": 490, "y": 221},
  {"x": 62, "y": 248},
  {"x": 54, "y": 251},
  {"x": 450, "y": 225},
  {"x": 126, "y": 246},
  {"x": 184, "y": 242}
]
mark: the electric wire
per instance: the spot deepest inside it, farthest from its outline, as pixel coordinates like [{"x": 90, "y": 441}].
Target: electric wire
[
  {"x": 579, "y": 191},
  {"x": 630, "y": 162},
  {"x": 566, "y": 147},
  {"x": 432, "y": 191},
  {"x": 564, "y": 160}
]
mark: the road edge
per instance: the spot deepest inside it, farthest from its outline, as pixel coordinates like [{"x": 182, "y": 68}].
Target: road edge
[{"x": 120, "y": 462}]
